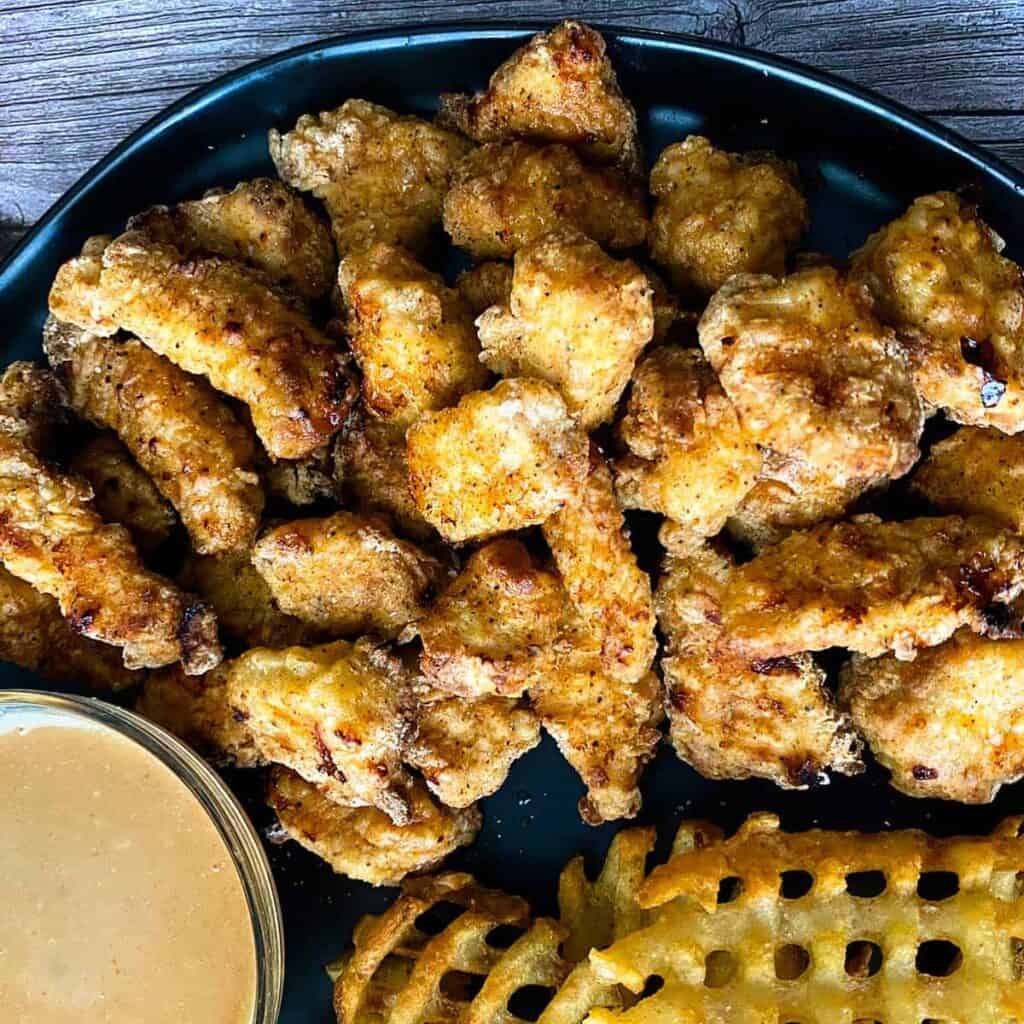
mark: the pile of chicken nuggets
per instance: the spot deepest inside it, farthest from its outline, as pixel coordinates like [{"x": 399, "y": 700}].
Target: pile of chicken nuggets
[{"x": 312, "y": 506}]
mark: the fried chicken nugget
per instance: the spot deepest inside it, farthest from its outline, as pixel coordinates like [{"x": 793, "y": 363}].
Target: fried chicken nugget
[
  {"x": 412, "y": 336},
  {"x": 874, "y": 586},
  {"x": 53, "y": 538},
  {"x": 491, "y": 630},
  {"x": 35, "y": 636},
  {"x": 947, "y": 724},
  {"x": 381, "y": 175},
  {"x": 465, "y": 748},
  {"x": 560, "y": 87},
  {"x": 262, "y": 223},
  {"x": 813, "y": 375},
  {"x": 576, "y": 318},
  {"x": 341, "y": 715},
  {"x": 976, "y": 472},
  {"x": 33, "y": 407},
  {"x": 214, "y": 318},
  {"x": 607, "y": 587},
  {"x": 177, "y": 428},
  {"x": 500, "y": 460},
  {"x": 485, "y": 285},
  {"x": 346, "y": 574},
  {"x": 124, "y": 493},
  {"x": 506, "y": 195},
  {"x": 717, "y": 214},
  {"x": 364, "y": 844},
  {"x": 733, "y": 717},
  {"x": 687, "y": 458},
  {"x": 936, "y": 274}
]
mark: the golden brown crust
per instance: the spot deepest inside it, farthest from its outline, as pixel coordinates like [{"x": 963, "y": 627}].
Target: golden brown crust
[
  {"x": 381, "y": 175},
  {"x": 214, "y": 318},
  {"x": 498, "y": 461},
  {"x": 506, "y": 195},
  {"x": 936, "y": 275},
  {"x": 485, "y": 285},
  {"x": 179, "y": 431},
  {"x": 947, "y": 724},
  {"x": 718, "y": 214},
  {"x": 874, "y": 586},
  {"x": 412, "y": 336},
  {"x": 559, "y": 87},
  {"x": 346, "y": 574},
  {"x": 33, "y": 407},
  {"x": 813, "y": 375},
  {"x": 576, "y": 318}
]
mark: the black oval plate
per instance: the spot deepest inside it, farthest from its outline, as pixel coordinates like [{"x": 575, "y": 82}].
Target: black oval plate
[{"x": 862, "y": 159}]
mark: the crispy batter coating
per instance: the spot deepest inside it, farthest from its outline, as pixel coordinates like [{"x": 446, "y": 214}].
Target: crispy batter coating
[
  {"x": 35, "y": 636},
  {"x": 381, "y": 175},
  {"x": 490, "y": 631},
  {"x": 123, "y": 492},
  {"x": 576, "y": 318},
  {"x": 947, "y": 724},
  {"x": 340, "y": 715},
  {"x": 198, "y": 711},
  {"x": 485, "y": 285},
  {"x": 465, "y": 748},
  {"x": 179, "y": 431},
  {"x": 33, "y": 407},
  {"x": 733, "y": 717},
  {"x": 213, "y": 317},
  {"x": 498, "y": 461},
  {"x": 346, "y": 574},
  {"x": 976, "y": 472},
  {"x": 813, "y": 375},
  {"x": 507, "y": 195},
  {"x": 363, "y": 843},
  {"x": 936, "y": 275},
  {"x": 687, "y": 458},
  {"x": 874, "y": 586},
  {"x": 262, "y": 223},
  {"x": 611, "y": 593},
  {"x": 717, "y": 214},
  {"x": 560, "y": 87},
  {"x": 412, "y": 336}
]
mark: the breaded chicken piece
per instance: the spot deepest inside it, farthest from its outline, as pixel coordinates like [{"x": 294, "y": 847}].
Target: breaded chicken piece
[
  {"x": 611, "y": 593},
  {"x": 245, "y": 607},
  {"x": 361, "y": 842},
  {"x": 262, "y": 223},
  {"x": 214, "y": 318},
  {"x": 346, "y": 574},
  {"x": 412, "y": 336},
  {"x": 560, "y": 87},
  {"x": 303, "y": 481},
  {"x": 122, "y": 492},
  {"x": 976, "y": 472},
  {"x": 35, "y": 636},
  {"x": 179, "y": 430},
  {"x": 576, "y": 318},
  {"x": 197, "y": 710},
  {"x": 937, "y": 276},
  {"x": 465, "y": 748},
  {"x": 874, "y": 586},
  {"x": 947, "y": 724},
  {"x": 491, "y": 630},
  {"x": 733, "y": 717},
  {"x": 33, "y": 407},
  {"x": 717, "y": 214},
  {"x": 500, "y": 460},
  {"x": 341, "y": 715},
  {"x": 508, "y": 194},
  {"x": 485, "y": 285},
  {"x": 381, "y": 175},
  {"x": 813, "y": 375},
  {"x": 687, "y": 457}
]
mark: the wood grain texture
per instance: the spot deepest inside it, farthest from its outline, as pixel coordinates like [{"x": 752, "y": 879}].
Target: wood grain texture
[{"x": 76, "y": 76}]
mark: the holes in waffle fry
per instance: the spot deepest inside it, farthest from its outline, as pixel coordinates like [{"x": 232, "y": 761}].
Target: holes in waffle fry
[
  {"x": 528, "y": 1002},
  {"x": 719, "y": 968},
  {"x": 460, "y": 986},
  {"x": 863, "y": 959},
  {"x": 503, "y": 936},
  {"x": 730, "y": 889},
  {"x": 938, "y": 958},
  {"x": 438, "y": 917},
  {"x": 866, "y": 884},
  {"x": 655, "y": 983},
  {"x": 791, "y": 961},
  {"x": 938, "y": 885},
  {"x": 794, "y": 884},
  {"x": 1017, "y": 958}
]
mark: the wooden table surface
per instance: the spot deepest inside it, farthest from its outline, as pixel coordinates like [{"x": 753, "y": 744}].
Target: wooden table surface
[{"x": 76, "y": 76}]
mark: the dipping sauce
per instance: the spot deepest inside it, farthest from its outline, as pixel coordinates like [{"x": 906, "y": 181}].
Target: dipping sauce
[{"x": 119, "y": 901}]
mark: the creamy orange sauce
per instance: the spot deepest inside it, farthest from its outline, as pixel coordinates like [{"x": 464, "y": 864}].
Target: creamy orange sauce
[{"x": 119, "y": 902}]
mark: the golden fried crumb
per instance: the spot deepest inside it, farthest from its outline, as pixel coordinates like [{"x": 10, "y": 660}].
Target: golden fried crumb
[{"x": 485, "y": 285}]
